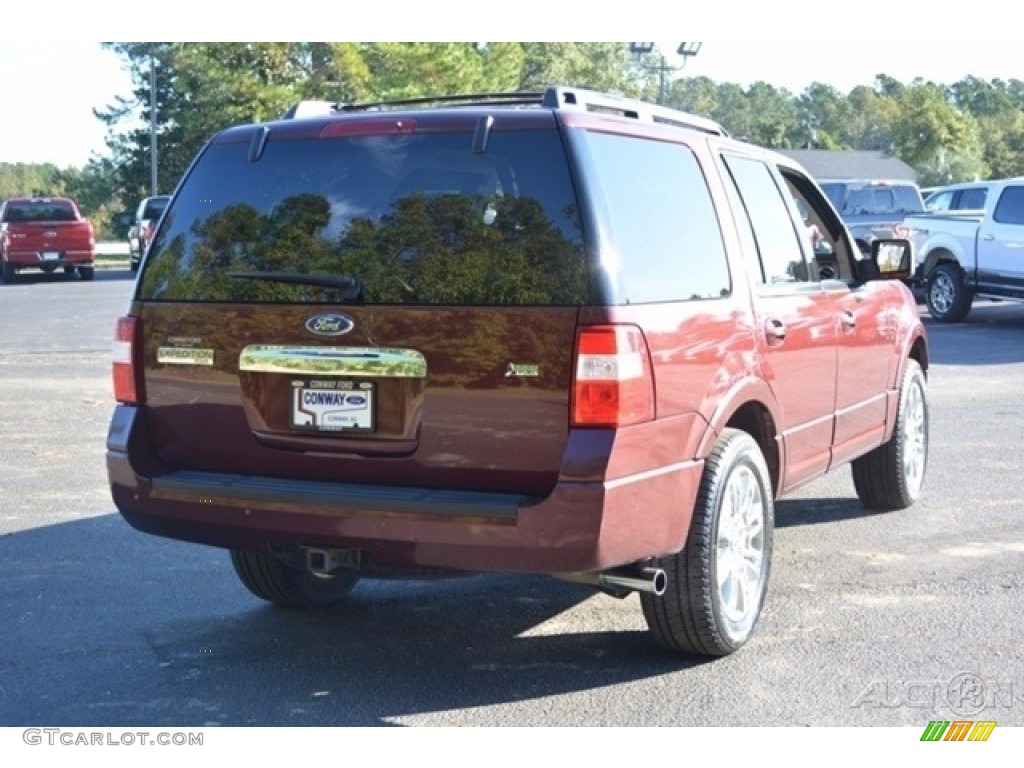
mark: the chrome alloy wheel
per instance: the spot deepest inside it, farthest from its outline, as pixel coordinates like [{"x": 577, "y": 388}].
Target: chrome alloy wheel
[
  {"x": 915, "y": 438},
  {"x": 739, "y": 552},
  {"x": 942, "y": 292}
]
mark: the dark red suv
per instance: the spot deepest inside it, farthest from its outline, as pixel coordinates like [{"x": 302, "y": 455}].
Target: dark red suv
[{"x": 556, "y": 333}]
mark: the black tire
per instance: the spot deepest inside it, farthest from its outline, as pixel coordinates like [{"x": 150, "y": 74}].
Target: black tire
[
  {"x": 10, "y": 273},
  {"x": 732, "y": 527},
  {"x": 947, "y": 296},
  {"x": 891, "y": 476},
  {"x": 267, "y": 578},
  {"x": 86, "y": 273}
]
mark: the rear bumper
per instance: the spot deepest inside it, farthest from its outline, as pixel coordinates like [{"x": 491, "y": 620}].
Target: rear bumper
[
  {"x": 25, "y": 259},
  {"x": 579, "y": 526}
]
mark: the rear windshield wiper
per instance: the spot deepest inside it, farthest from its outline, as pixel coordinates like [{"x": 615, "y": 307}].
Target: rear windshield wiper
[{"x": 351, "y": 286}]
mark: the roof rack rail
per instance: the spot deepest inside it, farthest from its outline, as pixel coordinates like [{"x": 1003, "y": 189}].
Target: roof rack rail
[
  {"x": 466, "y": 99},
  {"x": 560, "y": 96},
  {"x": 555, "y": 97},
  {"x": 319, "y": 108}
]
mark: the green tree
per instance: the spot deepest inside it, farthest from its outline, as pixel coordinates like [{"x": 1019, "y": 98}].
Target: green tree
[
  {"x": 202, "y": 88},
  {"x": 871, "y": 115},
  {"x": 938, "y": 140},
  {"x": 964, "y": 130},
  {"x": 94, "y": 190},
  {"x": 998, "y": 108},
  {"x": 597, "y": 66},
  {"x": 773, "y": 116},
  {"x": 29, "y": 180},
  {"x": 823, "y": 116},
  {"x": 698, "y": 95}
]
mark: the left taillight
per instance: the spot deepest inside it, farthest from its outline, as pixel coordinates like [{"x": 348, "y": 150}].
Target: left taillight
[
  {"x": 613, "y": 384},
  {"x": 126, "y": 363}
]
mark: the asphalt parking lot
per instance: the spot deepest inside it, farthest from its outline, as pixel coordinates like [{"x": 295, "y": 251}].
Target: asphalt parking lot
[{"x": 872, "y": 619}]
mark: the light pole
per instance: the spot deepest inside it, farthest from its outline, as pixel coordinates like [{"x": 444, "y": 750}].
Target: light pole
[
  {"x": 152, "y": 123},
  {"x": 662, "y": 67}
]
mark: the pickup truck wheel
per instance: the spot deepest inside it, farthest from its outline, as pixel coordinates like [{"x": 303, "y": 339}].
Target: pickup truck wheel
[
  {"x": 86, "y": 273},
  {"x": 717, "y": 583},
  {"x": 267, "y": 578},
  {"x": 10, "y": 273},
  {"x": 891, "y": 476},
  {"x": 948, "y": 298}
]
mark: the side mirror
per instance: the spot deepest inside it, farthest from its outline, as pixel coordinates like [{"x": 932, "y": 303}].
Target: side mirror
[{"x": 893, "y": 259}]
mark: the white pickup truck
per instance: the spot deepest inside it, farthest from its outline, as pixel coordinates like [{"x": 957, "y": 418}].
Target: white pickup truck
[{"x": 966, "y": 254}]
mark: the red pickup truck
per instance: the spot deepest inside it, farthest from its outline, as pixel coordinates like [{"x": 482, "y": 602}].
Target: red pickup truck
[{"x": 45, "y": 233}]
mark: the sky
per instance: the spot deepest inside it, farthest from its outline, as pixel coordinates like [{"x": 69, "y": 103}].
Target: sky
[{"x": 48, "y": 90}]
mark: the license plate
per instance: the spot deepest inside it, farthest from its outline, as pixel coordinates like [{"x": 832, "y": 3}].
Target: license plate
[
  {"x": 51, "y": 255},
  {"x": 333, "y": 406}
]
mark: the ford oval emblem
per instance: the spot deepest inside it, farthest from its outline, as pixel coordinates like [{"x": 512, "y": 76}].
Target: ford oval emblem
[{"x": 330, "y": 325}]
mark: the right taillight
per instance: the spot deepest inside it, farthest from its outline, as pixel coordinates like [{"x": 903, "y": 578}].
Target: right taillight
[
  {"x": 613, "y": 385},
  {"x": 127, "y": 388}
]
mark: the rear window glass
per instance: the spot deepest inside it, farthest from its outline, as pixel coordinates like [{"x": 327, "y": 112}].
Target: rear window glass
[
  {"x": 52, "y": 210},
  {"x": 154, "y": 208},
  {"x": 870, "y": 200},
  {"x": 410, "y": 219}
]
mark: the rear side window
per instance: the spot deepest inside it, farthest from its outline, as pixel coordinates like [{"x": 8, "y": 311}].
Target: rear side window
[
  {"x": 973, "y": 198},
  {"x": 665, "y": 226},
  {"x": 779, "y": 244},
  {"x": 1010, "y": 208},
  {"x": 406, "y": 219},
  {"x": 939, "y": 201}
]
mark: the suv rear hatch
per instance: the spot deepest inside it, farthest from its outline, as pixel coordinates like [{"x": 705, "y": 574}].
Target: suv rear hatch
[{"x": 381, "y": 300}]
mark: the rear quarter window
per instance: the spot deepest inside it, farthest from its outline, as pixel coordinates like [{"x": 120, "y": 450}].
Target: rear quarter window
[
  {"x": 664, "y": 224},
  {"x": 973, "y": 198}
]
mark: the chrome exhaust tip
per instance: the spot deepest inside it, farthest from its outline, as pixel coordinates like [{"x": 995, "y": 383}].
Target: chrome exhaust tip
[{"x": 622, "y": 581}]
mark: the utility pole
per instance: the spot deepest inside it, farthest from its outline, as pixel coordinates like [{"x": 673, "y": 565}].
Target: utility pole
[
  {"x": 662, "y": 67},
  {"x": 152, "y": 124}
]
